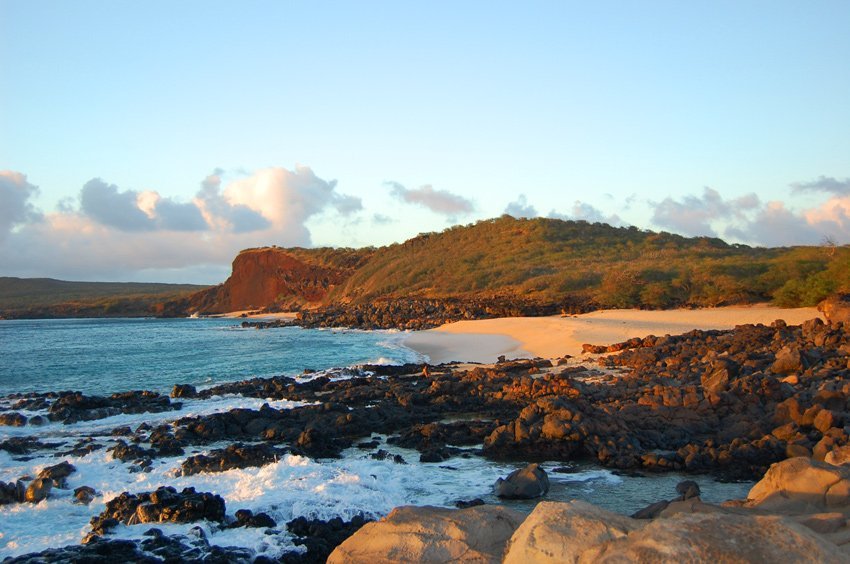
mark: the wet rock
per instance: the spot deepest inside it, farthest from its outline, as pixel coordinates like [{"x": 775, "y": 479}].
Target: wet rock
[
  {"x": 13, "y": 419},
  {"x": 320, "y": 537},
  {"x": 246, "y": 518},
  {"x": 165, "y": 504},
  {"x": 527, "y": 483},
  {"x": 237, "y": 455},
  {"x": 464, "y": 504},
  {"x": 38, "y": 490},
  {"x": 72, "y": 407},
  {"x": 184, "y": 391},
  {"x": 57, "y": 473},
  {"x": 84, "y": 495},
  {"x": 687, "y": 489},
  {"x": 12, "y": 492},
  {"x": 23, "y": 445}
]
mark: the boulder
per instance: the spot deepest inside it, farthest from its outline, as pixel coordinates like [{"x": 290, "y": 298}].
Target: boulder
[
  {"x": 184, "y": 391},
  {"x": 838, "y": 456},
  {"x": 165, "y": 504},
  {"x": 432, "y": 534},
  {"x": 12, "y": 492},
  {"x": 717, "y": 537},
  {"x": 13, "y": 419},
  {"x": 84, "y": 495},
  {"x": 561, "y": 532},
  {"x": 801, "y": 485},
  {"x": 527, "y": 483},
  {"x": 687, "y": 489},
  {"x": 836, "y": 308},
  {"x": 58, "y": 473},
  {"x": 788, "y": 359},
  {"x": 38, "y": 490}
]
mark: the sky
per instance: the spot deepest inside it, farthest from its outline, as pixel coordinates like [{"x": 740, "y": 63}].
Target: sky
[{"x": 151, "y": 141}]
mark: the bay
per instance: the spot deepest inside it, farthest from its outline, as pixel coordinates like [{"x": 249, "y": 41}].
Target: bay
[{"x": 102, "y": 356}]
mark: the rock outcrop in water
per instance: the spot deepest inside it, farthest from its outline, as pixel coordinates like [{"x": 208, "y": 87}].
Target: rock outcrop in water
[{"x": 165, "y": 505}]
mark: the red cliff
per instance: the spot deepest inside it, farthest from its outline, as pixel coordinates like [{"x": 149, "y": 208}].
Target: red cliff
[{"x": 276, "y": 278}]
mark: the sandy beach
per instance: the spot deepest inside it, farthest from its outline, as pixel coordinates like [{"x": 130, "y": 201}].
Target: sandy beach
[
  {"x": 251, "y": 314},
  {"x": 551, "y": 337}
]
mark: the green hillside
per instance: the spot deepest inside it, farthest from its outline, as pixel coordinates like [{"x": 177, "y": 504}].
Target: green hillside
[
  {"x": 549, "y": 259},
  {"x": 46, "y": 297}
]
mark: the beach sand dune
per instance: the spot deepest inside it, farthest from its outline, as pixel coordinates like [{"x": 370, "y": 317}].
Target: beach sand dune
[{"x": 552, "y": 337}]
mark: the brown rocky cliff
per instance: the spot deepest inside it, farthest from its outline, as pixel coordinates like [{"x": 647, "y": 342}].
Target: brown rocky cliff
[{"x": 268, "y": 277}]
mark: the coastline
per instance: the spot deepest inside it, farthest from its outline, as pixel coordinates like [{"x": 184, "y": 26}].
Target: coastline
[{"x": 550, "y": 337}]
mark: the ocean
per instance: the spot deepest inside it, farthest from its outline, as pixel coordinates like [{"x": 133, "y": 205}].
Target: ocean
[{"x": 101, "y": 356}]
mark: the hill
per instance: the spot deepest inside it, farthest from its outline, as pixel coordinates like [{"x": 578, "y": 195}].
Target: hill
[
  {"x": 533, "y": 265},
  {"x": 47, "y": 297}
]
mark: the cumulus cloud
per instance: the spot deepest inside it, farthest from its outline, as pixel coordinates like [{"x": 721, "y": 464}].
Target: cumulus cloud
[
  {"x": 749, "y": 220},
  {"x": 438, "y": 201},
  {"x": 824, "y": 184},
  {"x": 587, "y": 212},
  {"x": 694, "y": 215},
  {"x": 521, "y": 208},
  {"x": 125, "y": 234},
  {"x": 580, "y": 211},
  {"x": 15, "y": 207},
  {"x": 221, "y": 214}
]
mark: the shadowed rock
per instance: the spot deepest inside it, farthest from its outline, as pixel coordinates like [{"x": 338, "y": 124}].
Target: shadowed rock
[{"x": 527, "y": 483}]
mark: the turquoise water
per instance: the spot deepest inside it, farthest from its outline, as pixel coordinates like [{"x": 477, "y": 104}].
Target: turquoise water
[{"x": 100, "y": 356}]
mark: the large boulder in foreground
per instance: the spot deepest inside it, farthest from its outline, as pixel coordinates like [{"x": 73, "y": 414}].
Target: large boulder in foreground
[
  {"x": 704, "y": 537},
  {"x": 581, "y": 532},
  {"x": 527, "y": 483},
  {"x": 432, "y": 534},
  {"x": 801, "y": 485},
  {"x": 561, "y": 532}
]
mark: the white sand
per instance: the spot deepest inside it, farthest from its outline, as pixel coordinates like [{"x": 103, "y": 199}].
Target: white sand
[
  {"x": 551, "y": 337},
  {"x": 249, "y": 315}
]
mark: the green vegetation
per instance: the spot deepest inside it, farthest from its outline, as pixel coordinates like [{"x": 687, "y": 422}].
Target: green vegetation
[
  {"x": 46, "y": 297},
  {"x": 564, "y": 261}
]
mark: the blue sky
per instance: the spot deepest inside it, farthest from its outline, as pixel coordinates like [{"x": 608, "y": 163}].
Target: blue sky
[{"x": 352, "y": 124}]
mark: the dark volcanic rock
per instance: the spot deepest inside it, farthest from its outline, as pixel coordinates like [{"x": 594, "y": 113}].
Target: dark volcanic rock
[
  {"x": 84, "y": 494},
  {"x": 38, "y": 490},
  {"x": 236, "y": 455},
  {"x": 155, "y": 548},
  {"x": 246, "y": 518},
  {"x": 165, "y": 504},
  {"x": 13, "y": 419},
  {"x": 424, "y": 313},
  {"x": 319, "y": 537},
  {"x": 71, "y": 407},
  {"x": 527, "y": 483},
  {"x": 12, "y": 492}
]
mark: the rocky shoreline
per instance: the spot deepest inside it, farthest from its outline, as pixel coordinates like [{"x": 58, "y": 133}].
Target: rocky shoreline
[{"x": 725, "y": 403}]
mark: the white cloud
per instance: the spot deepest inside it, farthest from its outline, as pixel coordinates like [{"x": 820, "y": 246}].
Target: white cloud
[
  {"x": 438, "y": 201},
  {"x": 15, "y": 207},
  {"x": 122, "y": 235},
  {"x": 746, "y": 219},
  {"x": 521, "y": 208}
]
